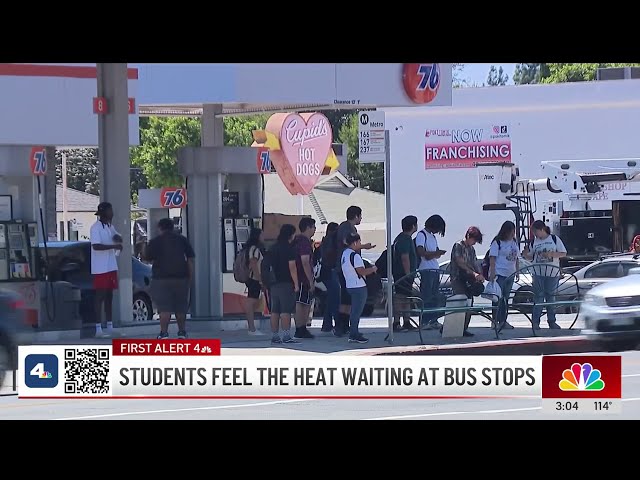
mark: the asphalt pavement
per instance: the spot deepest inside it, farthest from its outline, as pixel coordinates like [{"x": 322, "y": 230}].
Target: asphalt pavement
[{"x": 477, "y": 409}]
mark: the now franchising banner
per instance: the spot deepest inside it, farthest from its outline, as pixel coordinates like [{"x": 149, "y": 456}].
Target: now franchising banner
[{"x": 463, "y": 148}]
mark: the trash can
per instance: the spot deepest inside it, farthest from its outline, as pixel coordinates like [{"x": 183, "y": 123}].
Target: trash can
[
  {"x": 59, "y": 306},
  {"x": 453, "y": 325}
]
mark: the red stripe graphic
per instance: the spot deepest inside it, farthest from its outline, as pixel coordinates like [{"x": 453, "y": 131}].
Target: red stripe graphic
[{"x": 66, "y": 71}]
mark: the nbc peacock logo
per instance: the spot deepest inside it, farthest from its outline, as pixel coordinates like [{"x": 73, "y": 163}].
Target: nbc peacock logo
[{"x": 581, "y": 377}]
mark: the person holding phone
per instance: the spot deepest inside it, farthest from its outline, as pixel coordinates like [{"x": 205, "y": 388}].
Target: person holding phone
[{"x": 429, "y": 253}]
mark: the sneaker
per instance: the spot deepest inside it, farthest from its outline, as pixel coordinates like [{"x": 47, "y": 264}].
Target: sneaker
[
  {"x": 358, "y": 339},
  {"x": 467, "y": 333},
  {"x": 182, "y": 335},
  {"x": 554, "y": 326},
  {"x": 326, "y": 330},
  {"x": 397, "y": 327},
  {"x": 506, "y": 325},
  {"x": 337, "y": 333},
  {"x": 435, "y": 325},
  {"x": 276, "y": 340},
  {"x": 535, "y": 326},
  {"x": 408, "y": 326},
  {"x": 302, "y": 333},
  {"x": 256, "y": 333},
  {"x": 290, "y": 340},
  {"x": 163, "y": 336}
]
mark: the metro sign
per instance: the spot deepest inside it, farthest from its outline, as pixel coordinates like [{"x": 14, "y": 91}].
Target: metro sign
[
  {"x": 263, "y": 160},
  {"x": 173, "y": 197},
  {"x": 38, "y": 161}
]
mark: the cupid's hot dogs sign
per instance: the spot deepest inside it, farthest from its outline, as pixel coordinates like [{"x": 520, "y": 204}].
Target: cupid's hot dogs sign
[{"x": 299, "y": 148}]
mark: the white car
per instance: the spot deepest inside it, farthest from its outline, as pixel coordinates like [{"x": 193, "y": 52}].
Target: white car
[{"x": 611, "y": 313}]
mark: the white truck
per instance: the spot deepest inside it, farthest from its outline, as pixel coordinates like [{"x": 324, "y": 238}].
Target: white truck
[{"x": 435, "y": 151}]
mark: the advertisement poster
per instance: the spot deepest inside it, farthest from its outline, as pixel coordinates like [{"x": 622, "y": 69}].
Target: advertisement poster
[{"x": 465, "y": 147}]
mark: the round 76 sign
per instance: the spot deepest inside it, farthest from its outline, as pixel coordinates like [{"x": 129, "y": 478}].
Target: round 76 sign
[{"x": 173, "y": 197}]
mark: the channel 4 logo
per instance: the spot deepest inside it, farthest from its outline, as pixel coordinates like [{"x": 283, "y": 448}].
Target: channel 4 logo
[{"x": 41, "y": 371}]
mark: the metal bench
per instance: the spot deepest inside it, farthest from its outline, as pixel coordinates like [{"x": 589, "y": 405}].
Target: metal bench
[
  {"x": 411, "y": 284},
  {"x": 522, "y": 296}
]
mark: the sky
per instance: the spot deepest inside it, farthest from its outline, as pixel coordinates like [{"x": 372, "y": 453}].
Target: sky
[{"x": 477, "y": 72}]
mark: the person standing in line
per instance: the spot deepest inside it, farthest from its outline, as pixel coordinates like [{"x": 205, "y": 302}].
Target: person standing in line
[
  {"x": 354, "y": 217},
  {"x": 429, "y": 253},
  {"x": 329, "y": 276},
  {"x": 106, "y": 242},
  {"x": 354, "y": 272},
  {"x": 504, "y": 258},
  {"x": 282, "y": 294},
  {"x": 304, "y": 267},
  {"x": 466, "y": 278},
  {"x": 172, "y": 257},
  {"x": 405, "y": 261},
  {"x": 546, "y": 249},
  {"x": 255, "y": 252}
]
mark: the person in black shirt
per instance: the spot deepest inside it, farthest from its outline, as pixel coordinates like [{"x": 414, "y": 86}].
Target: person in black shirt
[
  {"x": 282, "y": 293},
  {"x": 172, "y": 257}
]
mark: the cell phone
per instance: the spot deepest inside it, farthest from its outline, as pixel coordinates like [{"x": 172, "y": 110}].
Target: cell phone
[{"x": 442, "y": 251}]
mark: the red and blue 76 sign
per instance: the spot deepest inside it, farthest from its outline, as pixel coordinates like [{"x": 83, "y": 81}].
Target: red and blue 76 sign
[
  {"x": 263, "y": 160},
  {"x": 173, "y": 197},
  {"x": 38, "y": 161}
]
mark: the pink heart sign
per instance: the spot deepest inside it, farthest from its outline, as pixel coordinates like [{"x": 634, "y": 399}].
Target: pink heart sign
[{"x": 305, "y": 142}]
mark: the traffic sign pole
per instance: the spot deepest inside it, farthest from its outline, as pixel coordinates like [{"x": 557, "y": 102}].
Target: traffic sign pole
[{"x": 387, "y": 196}]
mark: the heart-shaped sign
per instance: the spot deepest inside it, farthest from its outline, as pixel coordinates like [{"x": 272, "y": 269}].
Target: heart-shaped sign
[{"x": 305, "y": 142}]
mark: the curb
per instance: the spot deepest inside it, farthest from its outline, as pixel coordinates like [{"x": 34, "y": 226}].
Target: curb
[{"x": 525, "y": 346}]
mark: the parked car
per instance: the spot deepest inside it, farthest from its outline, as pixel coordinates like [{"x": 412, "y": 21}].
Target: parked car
[
  {"x": 71, "y": 262},
  {"x": 611, "y": 313},
  {"x": 12, "y": 322}
]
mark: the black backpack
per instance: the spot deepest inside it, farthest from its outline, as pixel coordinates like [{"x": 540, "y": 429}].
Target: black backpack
[
  {"x": 486, "y": 262},
  {"x": 267, "y": 273}
]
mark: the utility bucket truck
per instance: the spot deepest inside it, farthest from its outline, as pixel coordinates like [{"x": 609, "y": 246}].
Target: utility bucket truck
[{"x": 588, "y": 232}]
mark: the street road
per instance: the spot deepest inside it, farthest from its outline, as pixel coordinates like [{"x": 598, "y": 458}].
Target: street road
[{"x": 485, "y": 409}]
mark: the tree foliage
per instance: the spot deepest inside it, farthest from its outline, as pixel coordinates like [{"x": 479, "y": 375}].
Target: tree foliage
[
  {"x": 368, "y": 175},
  {"x": 530, "y": 73},
  {"x": 578, "y": 72},
  {"x": 83, "y": 171},
  {"x": 496, "y": 77}
]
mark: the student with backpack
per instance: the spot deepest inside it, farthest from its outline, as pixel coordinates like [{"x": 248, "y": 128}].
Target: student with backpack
[
  {"x": 246, "y": 269},
  {"x": 499, "y": 265},
  {"x": 354, "y": 273},
  {"x": 429, "y": 253},
  {"x": 545, "y": 249},
  {"x": 280, "y": 276},
  {"x": 329, "y": 277},
  {"x": 405, "y": 262}
]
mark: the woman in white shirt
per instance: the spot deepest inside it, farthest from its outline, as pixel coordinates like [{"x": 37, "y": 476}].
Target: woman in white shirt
[
  {"x": 545, "y": 250},
  {"x": 504, "y": 261},
  {"x": 354, "y": 273}
]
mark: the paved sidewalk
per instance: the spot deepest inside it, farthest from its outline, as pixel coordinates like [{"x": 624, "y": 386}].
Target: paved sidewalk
[{"x": 241, "y": 343}]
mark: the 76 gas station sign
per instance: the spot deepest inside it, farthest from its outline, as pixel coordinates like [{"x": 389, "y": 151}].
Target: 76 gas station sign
[
  {"x": 38, "y": 161},
  {"x": 173, "y": 197}
]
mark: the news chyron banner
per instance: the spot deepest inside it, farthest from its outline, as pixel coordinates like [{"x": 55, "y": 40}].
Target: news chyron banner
[{"x": 195, "y": 369}]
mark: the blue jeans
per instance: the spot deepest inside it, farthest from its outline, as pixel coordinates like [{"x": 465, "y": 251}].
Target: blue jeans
[
  {"x": 358, "y": 301},
  {"x": 544, "y": 289},
  {"x": 333, "y": 300},
  {"x": 429, "y": 288},
  {"x": 506, "y": 284}
]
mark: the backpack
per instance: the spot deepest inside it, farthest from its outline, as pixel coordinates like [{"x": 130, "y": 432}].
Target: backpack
[
  {"x": 381, "y": 264},
  {"x": 241, "y": 270},
  {"x": 486, "y": 262},
  {"x": 267, "y": 273}
]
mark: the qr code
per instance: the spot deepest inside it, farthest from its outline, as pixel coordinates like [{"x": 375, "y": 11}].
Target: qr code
[{"x": 86, "y": 371}]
